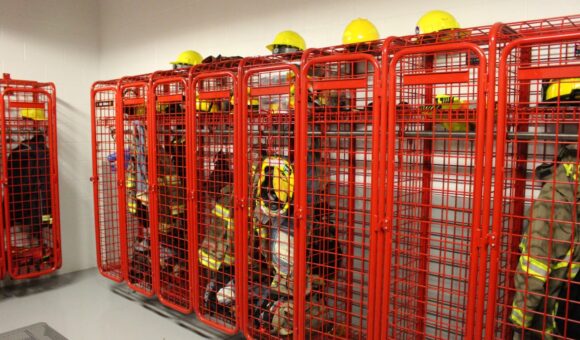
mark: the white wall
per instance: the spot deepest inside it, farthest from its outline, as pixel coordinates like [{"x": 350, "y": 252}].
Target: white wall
[
  {"x": 57, "y": 41},
  {"x": 139, "y": 36}
]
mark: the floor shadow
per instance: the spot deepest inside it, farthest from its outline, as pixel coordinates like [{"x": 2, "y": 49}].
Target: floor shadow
[
  {"x": 189, "y": 322},
  {"x": 20, "y": 288}
]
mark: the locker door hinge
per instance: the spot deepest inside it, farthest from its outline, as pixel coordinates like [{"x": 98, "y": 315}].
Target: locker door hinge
[
  {"x": 241, "y": 203},
  {"x": 492, "y": 240},
  {"x": 385, "y": 225},
  {"x": 300, "y": 213}
]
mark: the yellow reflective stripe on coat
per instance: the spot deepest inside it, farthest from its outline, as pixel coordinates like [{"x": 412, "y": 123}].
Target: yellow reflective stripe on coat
[
  {"x": 534, "y": 267},
  {"x": 169, "y": 180},
  {"x": 572, "y": 170},
  {"x": 210, "y": 262},
  {"x": 177, "y": 209},
  {"x": 518, "y": 317},
  {"x": 565, "y": 261},
  {"x": 47, "y": 219},
  {"x": 574, "y": 270},
  {"x": 130, "y": 183},
  {"x": 261, "y": 231},
  {"x": 223, "y": 213}
]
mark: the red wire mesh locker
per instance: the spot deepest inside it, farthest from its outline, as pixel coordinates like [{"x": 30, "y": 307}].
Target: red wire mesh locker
[
  {"x": 105, "y": 179},
  {"x": 211, "y": 98},
  {"x": 434, "y": 190},
  {"x": 139, "y": 252},
  {"x": 490, "y": 39},
  {"x": 169, "y": 90},
  {"x": 29, "y": 176},
  {"x": 535, "y": 262},
  {"x": 336, "y": 233},
  {"x": 266, "y": 130}
]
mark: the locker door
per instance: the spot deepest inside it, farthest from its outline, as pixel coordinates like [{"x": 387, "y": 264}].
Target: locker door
[
  {"x": 31, "y": 219},
  {"x": 533, "y": 268},
  {"x": 169, "y": 169},
  {"x": 336, "y": 233},
  {"x": 105, "y": 178},
  {"x": 267, "y": 128},
  {"x": 132, "y": 119},
  {"x": 434, "y": 183},
  {"x": 215, "y": 266}
]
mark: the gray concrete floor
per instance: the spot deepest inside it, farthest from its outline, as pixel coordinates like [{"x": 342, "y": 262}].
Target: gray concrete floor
[{"x": 83, "y": 306}]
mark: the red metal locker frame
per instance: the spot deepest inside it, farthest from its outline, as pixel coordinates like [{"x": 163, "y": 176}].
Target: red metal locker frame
[
  {"x": 395, "y": 156},
  {"x": 374, "y": 49},
  {"x": 141, "y": 275},
  {"x": 265, "y": 95},
  {"x": 212, "y": 87},
  {"x": 525, "y": 64},
  {"x": 491, "y": 39},
  {"x": 6, "y": 81},
  {"x": 36, "y": 96},
  {"x": 169, "y": 95},
  {"x": 53, "y": 145},
  {"x": 341, "y": 79},
  {"x": 105, "y": 185}
]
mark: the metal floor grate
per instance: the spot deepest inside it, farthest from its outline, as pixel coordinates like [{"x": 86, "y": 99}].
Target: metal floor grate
[{"x": 37, "y": 331}]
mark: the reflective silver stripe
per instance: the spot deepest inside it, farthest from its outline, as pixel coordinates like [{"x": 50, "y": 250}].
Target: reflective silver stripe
[{"x": 534, "y": 268}]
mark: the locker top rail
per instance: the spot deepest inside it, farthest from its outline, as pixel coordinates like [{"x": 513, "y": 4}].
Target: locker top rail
[
  {"x": 105, "y": 83},
  {"x": 226, "y": 64},
  {"x": 372, "y": 47},
  {"x": 141, "y": 78},
  {"x": 481, "y": 34},
  {"x": 272, "y": 59},
  {"x": 178, "y": 73},
  {"x": 7, "y": 81},
  {"x": 547, "y": 25}
]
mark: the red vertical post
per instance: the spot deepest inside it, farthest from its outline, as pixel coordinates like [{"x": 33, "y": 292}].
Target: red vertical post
[
  {"x": 3, "y": 183},
  {"x": 121, "y": 179},
  {"x": 426, "y": 196}
]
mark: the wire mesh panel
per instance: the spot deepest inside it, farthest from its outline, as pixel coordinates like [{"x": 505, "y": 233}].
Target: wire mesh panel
[
  {"x": 105, "y": 185},
  {"x": 136, "y": 224},
  {"x": 434, "y": 178},
  {"x": 537, "y": 240},
  {"x": 170, "y": 183},
  {"x": 337, "y": 241},
  {"x": 213, "y": 175},
  {"x": 267, "y": 128},
  {"x": 29, "y": 175}
]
